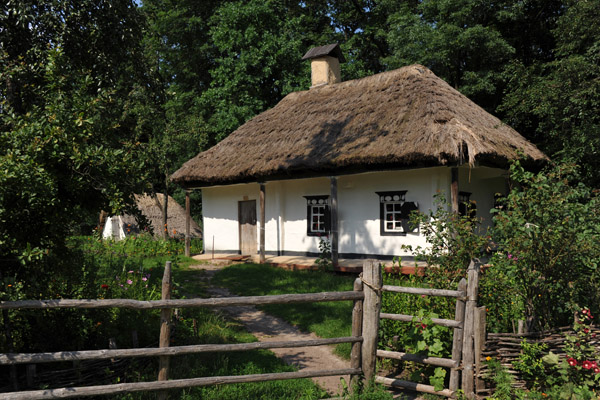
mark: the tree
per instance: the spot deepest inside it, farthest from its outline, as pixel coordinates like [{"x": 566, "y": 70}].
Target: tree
[
  {"x": 68, "y": 143},
  {"x": 555, "y": 102}
]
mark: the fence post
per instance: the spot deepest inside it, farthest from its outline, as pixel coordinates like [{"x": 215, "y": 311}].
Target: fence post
[
  {"x": 357, "y": 322},
  {"x": 165, "y": 331},
  {"x": 457, "y": 340},
  {"x": 372, "y": 279},
  {"x": 469, "y": 330},
  {"x": 479, "y": 344}
]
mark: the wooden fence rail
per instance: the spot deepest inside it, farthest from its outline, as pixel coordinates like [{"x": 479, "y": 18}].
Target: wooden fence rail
[
  {"x": 164, "y": 352},
  {"x": 366, "y": 315},
  {"x": 463, "y": 346}
]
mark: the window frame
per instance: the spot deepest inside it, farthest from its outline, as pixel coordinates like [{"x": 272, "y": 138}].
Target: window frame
[
  {"x": 466, "y": 206},
  {"x": 387, "y": 198},
  {"x": 322, "y": 202}
]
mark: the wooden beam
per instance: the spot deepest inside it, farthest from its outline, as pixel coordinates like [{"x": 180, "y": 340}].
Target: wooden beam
[
  {"x": 457, "y": 339},
  {"x": 187, "y": 223},
  {"x": 334, "y": 222},
  {"x": 165, "y": 328},
  {"x": 409, "y": 318},
  {"x": 357, "y": 322},
  {"x": 262, "y": 224},
  {"x": 418, "y": 358},
  {"x": 120, "y": 388},
  {"x": 26, "y": 358},
  {"x": 469, "y": 331},
  {"x": 372, "y": 280},
  {"x": 423, "y": 291},
  {"x": 454, "y": 189},
  {"x": 417, "y": 387},
  {"x": 183, "y": 303}
]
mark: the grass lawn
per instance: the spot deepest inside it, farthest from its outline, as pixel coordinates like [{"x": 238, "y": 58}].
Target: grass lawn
[{"x": 327, "y": 320}]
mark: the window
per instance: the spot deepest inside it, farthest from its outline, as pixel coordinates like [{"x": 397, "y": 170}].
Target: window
[
  {"x": 466, "y": 207},
  {"x": 317, "y": 215},
  {"x": 394, "y": 213}
]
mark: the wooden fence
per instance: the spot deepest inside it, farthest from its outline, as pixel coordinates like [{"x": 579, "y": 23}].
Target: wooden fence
[{"x": 366, "y": 314}]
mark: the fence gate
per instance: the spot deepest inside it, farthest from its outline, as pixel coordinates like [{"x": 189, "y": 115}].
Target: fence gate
[{"x": 468, "y": 324}]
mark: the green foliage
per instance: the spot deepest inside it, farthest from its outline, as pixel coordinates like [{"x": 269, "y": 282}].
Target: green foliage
[
  {"x": 554, "y": 100},
  {"x": 548, "y": 233},
  {"x": 576, "y": 376},
  {"x": 530, "y": 363},
  {"x": 323, "y": 262},
  {"x": 453, "y": 240}
]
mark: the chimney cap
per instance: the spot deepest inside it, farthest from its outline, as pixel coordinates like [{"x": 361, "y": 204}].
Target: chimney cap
[{"x": 327, "y": 50}]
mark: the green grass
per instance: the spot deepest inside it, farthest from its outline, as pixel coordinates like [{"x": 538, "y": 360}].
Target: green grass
[{"x": 327, "y": 320}]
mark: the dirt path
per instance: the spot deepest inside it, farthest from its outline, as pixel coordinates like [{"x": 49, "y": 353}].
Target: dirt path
[{"x": 268, "y": 328}]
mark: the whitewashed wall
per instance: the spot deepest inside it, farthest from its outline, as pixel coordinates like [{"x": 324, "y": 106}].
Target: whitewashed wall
[{"x": 358, "y": 208}]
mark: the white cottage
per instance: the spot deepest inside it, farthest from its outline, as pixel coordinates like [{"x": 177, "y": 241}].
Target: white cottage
[{"x": 351, "y": 160}]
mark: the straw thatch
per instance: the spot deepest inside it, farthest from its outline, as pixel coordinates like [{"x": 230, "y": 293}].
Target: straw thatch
[
  {"x": 151, "y": 208},
  {"x": 405, "y": 118}
]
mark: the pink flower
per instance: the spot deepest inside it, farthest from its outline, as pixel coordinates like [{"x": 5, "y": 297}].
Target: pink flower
[
  {"x": 572, "y": 362},
  {"x": 130, "y": 272},
  {"x": 144, "y": 279},
  {"x": 586, "y": 364},
  {"x": 129, "y": 281},
  {"x": 597, "y": 370}
]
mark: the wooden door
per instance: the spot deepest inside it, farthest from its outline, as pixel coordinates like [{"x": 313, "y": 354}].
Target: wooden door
[{"x": 247, "y": 220}]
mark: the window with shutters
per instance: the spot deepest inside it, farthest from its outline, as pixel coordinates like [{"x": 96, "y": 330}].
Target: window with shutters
[
  {"x": 394, "y": 213},
  {"x": 317, "y": 215}
]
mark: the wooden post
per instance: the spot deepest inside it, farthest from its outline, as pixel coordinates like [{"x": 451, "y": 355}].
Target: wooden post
[
  {"x": 31, "y": 374},
  {"x": 457, "y": 341},
  {"x": 357, "y": 322},
  {"x": 11, "y": 348},
  {"x": 165, "y": 331},
  {"x": 372, "y": 280},
  {"x": 479, "y": 344},
  {"x": 187, "y": 223},
  {"x": 334, "y": 222},
  {"x": 454, "y": 190},
  {"x": 165, "y": 212},
  {"x": 469, "y": 330},
  {"x": 262, "y": 224}
]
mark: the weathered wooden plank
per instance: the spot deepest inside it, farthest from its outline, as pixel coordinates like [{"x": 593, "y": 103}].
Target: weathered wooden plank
[
  {"x": 457, "y": 339},
  {"x": 424, "y": 291},
  {"x": 187, "y": 224},
  {"x": 438, "y": 362},
  {"x": 418, "y": 387},
  {"x": 183, "y": 303},
  {"x": 334, "y": 222},
  {"x": 121, "y": 388},
  {"x": 408, "y": 318},
  {"x": 479, "y": 341},
  {"x": 372, "y": 281},
  {"x": 262, "y": 256},
  {"x": 468, "y": 358},
  {"x": 165, "y": 329},
  {"x": 357, "y": 322},
  {"x": 24, "y": 358}
]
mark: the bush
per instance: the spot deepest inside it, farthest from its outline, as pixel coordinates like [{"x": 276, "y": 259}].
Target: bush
[{"x": 548, "y": 232}]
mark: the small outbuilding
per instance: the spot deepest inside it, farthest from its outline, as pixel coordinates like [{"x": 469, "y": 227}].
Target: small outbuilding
[
  {"x": 120, "y": 226},
  {"x": 350, "y": 161}
]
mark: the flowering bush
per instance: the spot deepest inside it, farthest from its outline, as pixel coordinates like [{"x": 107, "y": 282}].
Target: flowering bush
[
  {"x": 574, "y": 376},
  {"x": 548, "y": 231}
]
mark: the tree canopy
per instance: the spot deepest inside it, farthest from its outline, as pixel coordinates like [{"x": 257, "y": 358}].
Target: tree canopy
[{"x": 101, "y": 99}]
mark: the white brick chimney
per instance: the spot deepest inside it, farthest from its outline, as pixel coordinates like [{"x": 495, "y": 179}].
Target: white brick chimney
[{"x": 325, "y": 64}]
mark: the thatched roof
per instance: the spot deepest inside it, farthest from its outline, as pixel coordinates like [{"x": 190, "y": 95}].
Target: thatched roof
[
  {"x": 406, "y": 118},
  {"x": 151, "y": 209}
]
